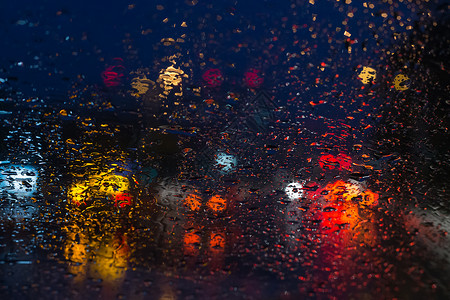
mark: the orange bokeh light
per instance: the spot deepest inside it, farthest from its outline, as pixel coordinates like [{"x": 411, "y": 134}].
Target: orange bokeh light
[
  {"x": 191, "y": 243},
  {"x": 369, "y": 198},
  {"x": 193, "y": 201},
  {"x": 217, "y": 242},
  {"x": 217, "y": 203},
  {"x": 342, "y": 200}
]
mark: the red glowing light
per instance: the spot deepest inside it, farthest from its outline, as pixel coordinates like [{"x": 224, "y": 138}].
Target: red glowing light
[
  {"x": 122, "y": 200},
  {"x": 113, "y": 75},
  {"x": 252, "y": 79},
  {"x": 328, "y": 162},
  {"x": 331, "y": 162},
  {"x": 342, "y": 201},
  {"x": 213, "y": 77},
  {"x": 345, "y": 162}
]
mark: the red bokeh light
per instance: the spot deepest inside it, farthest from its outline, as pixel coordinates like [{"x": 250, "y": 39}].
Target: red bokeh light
[
  {"x": 331, "y": 162},
  {"x": 328, "y": 162},
  {"x": 252, "y": 79},
  {"x": 340, "y": 205},
  {"x": 122, "y": 200},
  {"x": 213, "y": 77},
  {"x": 113, "y": 75}
]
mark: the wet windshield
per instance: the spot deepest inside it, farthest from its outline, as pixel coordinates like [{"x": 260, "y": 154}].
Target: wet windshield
[{"x": 224, "y": 149}]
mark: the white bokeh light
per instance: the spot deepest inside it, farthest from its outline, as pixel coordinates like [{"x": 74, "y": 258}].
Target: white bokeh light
[
  {"x": 225, "y": 162},
  {"x": 294, "y": 190},
  {"x": 18, "y": 180}
]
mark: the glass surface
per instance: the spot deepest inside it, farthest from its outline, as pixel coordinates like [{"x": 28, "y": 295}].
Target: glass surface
[{"x": 224, "y": 149}]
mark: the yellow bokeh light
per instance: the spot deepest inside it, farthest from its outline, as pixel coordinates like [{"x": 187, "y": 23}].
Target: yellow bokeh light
[
  {"x": 110, "y": 266},
  {"x": 102, "y": 184},
  {"x": 367, "y": 75},
  {"x": 401, "y": 82},
  {"x": 75, "y": 252},
  {"x": 169, "y": 79},
  {"x": 79, "y": 193},
  {"x": 141, "y": 84},
  {"x": 98, "y": 256},
  {"x": 349, "y": 191},
  {"x": 110, "y": 184}
]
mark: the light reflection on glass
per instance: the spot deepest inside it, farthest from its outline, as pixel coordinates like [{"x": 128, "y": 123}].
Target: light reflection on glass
[
  {"x": 200, "y": 241},
  {"x": 344, "y": 228},
  {"x": 100, "y": 256},
  {"x": 345, "y": 215},
  {"x": 168, "y": 293}
]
